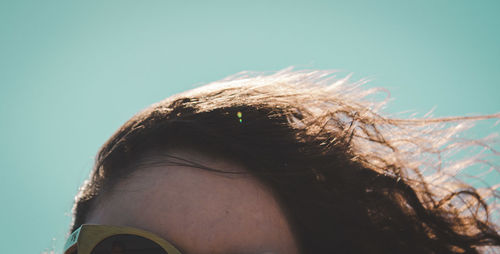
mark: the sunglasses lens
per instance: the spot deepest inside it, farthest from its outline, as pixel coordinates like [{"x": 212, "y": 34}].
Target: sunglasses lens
[{"x": 127, "y": 244}]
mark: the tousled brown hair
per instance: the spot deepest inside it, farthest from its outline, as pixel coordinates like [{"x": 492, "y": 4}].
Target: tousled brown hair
[{"x": 349, "y": 179}]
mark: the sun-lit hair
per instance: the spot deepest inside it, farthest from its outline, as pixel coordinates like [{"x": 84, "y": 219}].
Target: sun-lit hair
[{"x": 350, "y": 178}]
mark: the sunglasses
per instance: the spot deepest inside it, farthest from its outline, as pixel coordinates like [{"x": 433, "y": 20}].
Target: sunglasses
[{"x": 101, "y": 239}]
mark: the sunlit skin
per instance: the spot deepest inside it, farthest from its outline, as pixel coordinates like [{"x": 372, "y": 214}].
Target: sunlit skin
[{"x": 199, "y": 211}]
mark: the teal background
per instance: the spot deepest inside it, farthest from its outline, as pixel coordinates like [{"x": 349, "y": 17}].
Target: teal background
[{"x": 71, "y": 72}]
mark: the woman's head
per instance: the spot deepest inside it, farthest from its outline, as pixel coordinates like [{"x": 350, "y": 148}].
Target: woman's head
[{"x": 295, "y": 152}]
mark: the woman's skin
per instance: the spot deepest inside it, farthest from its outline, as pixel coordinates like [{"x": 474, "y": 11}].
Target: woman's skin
[{"x": 199, "y": 211}]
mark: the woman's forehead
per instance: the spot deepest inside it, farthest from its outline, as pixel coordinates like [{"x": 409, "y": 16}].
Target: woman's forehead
[{"x": 199, "y": 210}]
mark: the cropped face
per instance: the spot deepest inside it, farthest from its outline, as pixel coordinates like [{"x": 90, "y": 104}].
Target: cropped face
[{"x": 199, "y": 211}]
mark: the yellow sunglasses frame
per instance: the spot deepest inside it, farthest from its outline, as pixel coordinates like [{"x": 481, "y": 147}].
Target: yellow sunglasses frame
[{"x": 86, "y": 237}]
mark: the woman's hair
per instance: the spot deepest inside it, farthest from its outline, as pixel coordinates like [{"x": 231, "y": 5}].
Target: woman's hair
[{"x": 349, "y": 179}]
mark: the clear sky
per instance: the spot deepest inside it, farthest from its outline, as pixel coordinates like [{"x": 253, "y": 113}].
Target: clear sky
[{"x": 71, "y": 72}]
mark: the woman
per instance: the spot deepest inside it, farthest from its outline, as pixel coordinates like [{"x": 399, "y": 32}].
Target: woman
[{"x": 292, "y": 162}]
